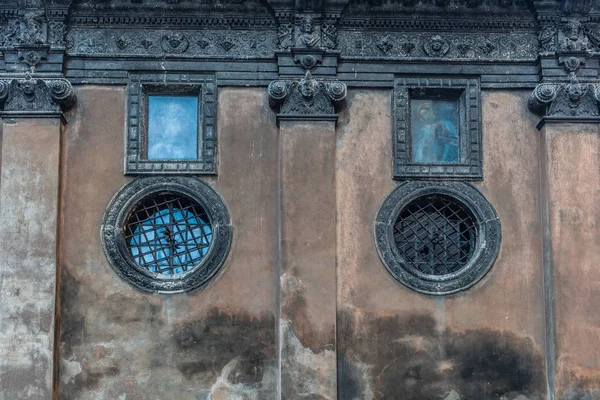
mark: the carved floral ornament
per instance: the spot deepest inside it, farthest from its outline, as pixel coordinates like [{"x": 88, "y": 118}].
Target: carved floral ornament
[{"x": 306, "y": 96}]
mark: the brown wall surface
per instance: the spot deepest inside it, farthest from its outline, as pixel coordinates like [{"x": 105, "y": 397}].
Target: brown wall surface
[
  {"x": 219, "y": 341},
  {"x": 308, "y": 269},
  {"x": 29, "y": 186},
  {"x": 571, "y": 154},
  {"x": 483, "y": 343}
]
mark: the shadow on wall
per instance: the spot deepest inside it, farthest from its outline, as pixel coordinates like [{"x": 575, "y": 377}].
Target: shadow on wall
[{"x": 409, "y": 358}]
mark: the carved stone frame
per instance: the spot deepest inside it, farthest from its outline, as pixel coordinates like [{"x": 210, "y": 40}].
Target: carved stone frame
[
  {"x": 115, "y": 246},
  {"x": 139, "y": 87},
  {"x": 489, "y": 237},
  {"x": 464, "y": 89}
]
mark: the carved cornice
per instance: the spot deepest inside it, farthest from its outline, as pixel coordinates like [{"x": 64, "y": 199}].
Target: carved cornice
[
  {"x": 31, "y": 95},
  {"x": 306, "y": 98}
]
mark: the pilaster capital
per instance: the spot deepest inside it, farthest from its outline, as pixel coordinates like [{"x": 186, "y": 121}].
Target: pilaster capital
[
  {"x": 569, "y": 54},
  {"x": 34, "y": 96},
  {"x": 566, "y": 101},
  {"x": 306, "y": 98}
]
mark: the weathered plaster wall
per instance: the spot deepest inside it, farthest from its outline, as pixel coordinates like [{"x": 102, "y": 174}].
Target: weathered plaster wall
[
  {"x": 308, "y": 269},
  {"x": 485, "y": 343},
  {"x": 571, "y": 154},
  {"x": 221, "y": 342},
  {"x": 29, "y": 186},
  {"x": 218, "y": 342}
]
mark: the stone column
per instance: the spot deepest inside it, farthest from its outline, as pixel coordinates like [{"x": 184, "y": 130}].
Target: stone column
[
  {"x": 29, "y": 206},
  {"x": 308, "y": 235}
]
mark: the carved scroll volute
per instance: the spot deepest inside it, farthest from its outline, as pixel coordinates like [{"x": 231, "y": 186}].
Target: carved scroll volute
[
  {"x": 307, "y": 96},
  {"x": 543, "y": 95},
  {"x": 571, "y": 101}
]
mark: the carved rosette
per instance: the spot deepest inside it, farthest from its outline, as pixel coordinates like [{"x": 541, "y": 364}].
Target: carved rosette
[
  {"x": 306, "y": 97},
  {"x": 35, "y": 95}
]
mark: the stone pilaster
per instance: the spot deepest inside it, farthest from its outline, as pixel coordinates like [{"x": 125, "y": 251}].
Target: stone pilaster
[
  {"x": 570, "y": 155},
  {"x": 29, "y": 210},
  {"x": 308, "y": 292}
]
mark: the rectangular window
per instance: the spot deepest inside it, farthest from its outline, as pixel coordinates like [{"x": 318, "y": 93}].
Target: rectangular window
[
  {"x": 437, "y": 128},
  {"x": 172, "y": 128},
  {"x": 434, "y": 127},
  {"x": 171, "y": 124}
]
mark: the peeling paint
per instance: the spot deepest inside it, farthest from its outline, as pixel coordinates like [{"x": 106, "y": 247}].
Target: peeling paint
[{"x": 312, "y": 373}]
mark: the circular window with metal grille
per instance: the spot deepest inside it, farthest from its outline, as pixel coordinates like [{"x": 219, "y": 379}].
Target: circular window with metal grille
[
  {"x": 437, "y": 237},
  {"x": 166, "y": 234}
]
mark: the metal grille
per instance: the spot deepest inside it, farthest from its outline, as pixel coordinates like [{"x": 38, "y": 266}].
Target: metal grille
[
  {"x": 435, "y": 234},
  {"x": 168, "y": 233}
]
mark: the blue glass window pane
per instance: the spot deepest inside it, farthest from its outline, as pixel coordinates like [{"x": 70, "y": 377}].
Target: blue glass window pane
[
  {"x": 434, "y": 131},
  {"x": 170, "y": 241},
  {"x": 172, "y": 128}
]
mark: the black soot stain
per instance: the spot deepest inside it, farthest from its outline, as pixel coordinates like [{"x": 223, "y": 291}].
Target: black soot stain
[
  {"x": 72, "y": 322},
  {"x": 204, "y": 347},
  {"x": 408, "y": 358}
]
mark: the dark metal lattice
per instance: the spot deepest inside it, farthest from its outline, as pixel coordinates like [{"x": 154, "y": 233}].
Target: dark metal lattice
[
  {"x": 435, "y": 234},
  {"x": 168, "y": 233}
]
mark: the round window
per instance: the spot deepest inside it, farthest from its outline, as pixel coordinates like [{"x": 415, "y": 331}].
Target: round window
[
  {"x": 437, "y": 237},
  {"x": 166, "y": 234}
]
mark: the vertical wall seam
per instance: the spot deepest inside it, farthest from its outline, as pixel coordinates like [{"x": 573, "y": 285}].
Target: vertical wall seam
[
  {"x": 279, "y": 268},
  {"x": 57, "y": 279},
  {"x": 337, "y": 289},
  {"x": 547, "y": 265}
]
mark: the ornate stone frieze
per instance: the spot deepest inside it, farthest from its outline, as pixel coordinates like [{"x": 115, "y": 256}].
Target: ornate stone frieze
[
  {"x": 31, "y": 94},
  {"x": 309, "y": 31},
  {"x": 306, "y": 97},
  {"x": 188, "y": 43},
  {"x": 30, "y": 30},
  {"x": 570, "y": 35},
  {"x": 26, "y": 29},
  {"x": 444, "y": 46}
]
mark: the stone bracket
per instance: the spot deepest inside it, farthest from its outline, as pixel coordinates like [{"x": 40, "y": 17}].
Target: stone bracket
[
  {"x": 306, "y": 98},
  {"x": 32, "y": 95}
]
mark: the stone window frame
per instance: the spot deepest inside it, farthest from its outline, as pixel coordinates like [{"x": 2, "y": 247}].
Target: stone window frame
[
  {"x": 470, "y": 167},
  {"x": 140, "y": 85},
  {"x": 489, "y": 237},
  {"x": 117, "y": 252}
]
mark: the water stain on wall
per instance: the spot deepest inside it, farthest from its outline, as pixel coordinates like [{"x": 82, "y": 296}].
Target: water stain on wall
[
  {"x": 409, "y": 357},
  {"x": 114, "y": 344}
]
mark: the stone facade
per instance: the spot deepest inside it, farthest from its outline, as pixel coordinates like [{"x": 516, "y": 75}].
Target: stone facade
[{"x": 304, "y": 109}]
